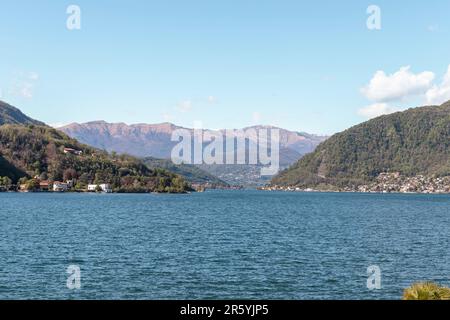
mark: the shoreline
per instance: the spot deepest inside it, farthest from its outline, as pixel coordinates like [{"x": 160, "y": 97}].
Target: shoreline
[
  {"x": 349, "y": 191},
  {"x": 386, "y": 182},
  {"x": 361, "y": 192},
  {"x": 256, "y": 189},
  {"x": 90, "y": 192}
]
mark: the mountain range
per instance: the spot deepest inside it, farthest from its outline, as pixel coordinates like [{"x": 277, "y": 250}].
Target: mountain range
[
  {"x": 415, "y": 142},
  {"x": 154, "y": 140}
]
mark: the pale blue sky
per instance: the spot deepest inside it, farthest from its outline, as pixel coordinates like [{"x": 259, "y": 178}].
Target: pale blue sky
[{"x": 296, "y": 64}]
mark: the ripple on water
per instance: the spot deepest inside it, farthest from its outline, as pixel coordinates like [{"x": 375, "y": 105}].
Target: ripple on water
[{"x": 221, "y": 244}]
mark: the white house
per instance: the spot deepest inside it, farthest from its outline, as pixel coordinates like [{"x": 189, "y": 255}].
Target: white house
[
  {"x": 60, "y": 186},
  {"x": 73, "y": 151},
  {"x": 104, "y": 186}
]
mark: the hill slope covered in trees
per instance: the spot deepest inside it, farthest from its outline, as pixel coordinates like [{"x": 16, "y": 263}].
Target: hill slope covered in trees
[
  {"x": 12, "y": 115},
  {"x": 30, "y": 151},
  {"x": 413, "y": 142}
]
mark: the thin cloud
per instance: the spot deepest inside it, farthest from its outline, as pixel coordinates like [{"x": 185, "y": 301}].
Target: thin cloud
[
  {"x": 167, "y": 117},
  {"x": 212, "y": 99},
  {"x": 24, "y": 84},
  {"x": 33, "y": 76},
  {"x": 433, "y": 28},
  {"x": 256, "y": 117},
  {"x": 184, "y": 106}
]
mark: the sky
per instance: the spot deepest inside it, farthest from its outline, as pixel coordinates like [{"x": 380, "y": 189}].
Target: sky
[{"x": 313, "y": 66}]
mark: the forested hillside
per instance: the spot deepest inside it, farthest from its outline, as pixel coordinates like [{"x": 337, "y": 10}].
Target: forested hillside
[
  {"x": 413, "y": 142},
  {"x": 42, "y": 151}
]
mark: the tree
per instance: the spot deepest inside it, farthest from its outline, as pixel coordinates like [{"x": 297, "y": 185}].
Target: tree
[
  {"x": 5, "y": 182},
  {"x": 32, "y": 185},
  {"x": 43, "y": 176},
  {"x": 84, "y": 178},
  {"x": 80, "y": 186},
  {"x": 69, "y": 174}
]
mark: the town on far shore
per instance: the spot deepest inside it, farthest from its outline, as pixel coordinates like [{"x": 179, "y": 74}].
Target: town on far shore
[{"x": 386, "y": 182}]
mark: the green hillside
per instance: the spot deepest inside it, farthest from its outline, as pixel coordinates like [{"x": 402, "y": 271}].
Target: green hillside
[
  {"x": 12, "y": 115},
  {"x": 39, "y": 151},
  {"x": 191, "y": 173},
  {"x": 8, "y": 170},
  {"x": 413, "y": 142}
]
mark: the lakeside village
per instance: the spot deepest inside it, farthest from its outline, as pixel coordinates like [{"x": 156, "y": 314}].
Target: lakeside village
[
  {"x": 386, "y": 183},
  {"x": 38, "y": 184}
]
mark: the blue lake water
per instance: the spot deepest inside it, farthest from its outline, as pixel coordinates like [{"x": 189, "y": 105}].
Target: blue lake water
[{"x": 221, "y": 245}]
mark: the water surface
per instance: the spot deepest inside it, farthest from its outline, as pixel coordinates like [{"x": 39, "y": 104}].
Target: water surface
[{"x": 221, "y": 244}]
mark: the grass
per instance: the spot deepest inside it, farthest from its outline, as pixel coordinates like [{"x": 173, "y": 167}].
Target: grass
[{"x": 426, "y": 291}]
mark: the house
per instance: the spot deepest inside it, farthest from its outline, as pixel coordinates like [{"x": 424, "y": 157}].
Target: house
[
  {"x": 73, "y": 151},
  {"x": 44, "y": 185},
  {"x": 104, "y": 186},
  {"x": 60, "y": 186}
]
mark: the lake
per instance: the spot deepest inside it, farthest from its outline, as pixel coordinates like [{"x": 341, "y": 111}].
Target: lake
[{"x": 221, "y": 244}]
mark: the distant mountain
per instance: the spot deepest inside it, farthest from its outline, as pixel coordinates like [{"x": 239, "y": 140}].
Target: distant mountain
[
  {"x": 144, "y": 140},
  {"x": 154, "y": 140},
  {"x": 12, "y": 115},
  {"x": 141, "y": 140},
  {"x": 413, "y": 142}
]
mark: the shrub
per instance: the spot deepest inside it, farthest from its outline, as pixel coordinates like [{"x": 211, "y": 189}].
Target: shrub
[{"x": 426, "y": 291}]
